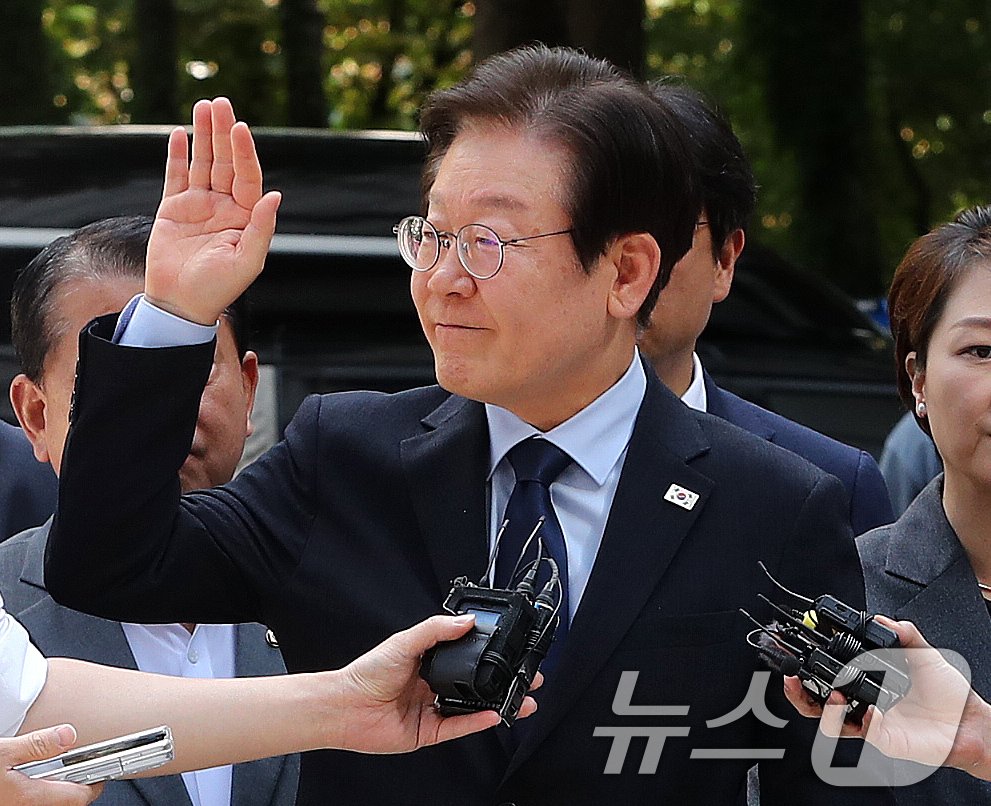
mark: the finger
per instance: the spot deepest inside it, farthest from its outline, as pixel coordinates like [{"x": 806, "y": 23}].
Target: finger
[
  {"x": 177, "y": 163},
  {"x": 247, "y": 178},
  {"x": 199, "y": 168},
  {"x": 253, "y": 246},
  {"x": 454, "y": 727},
  {"x": 908, "y": 634},
  {"x": 528, "y": 708},
  {"x": 797, "y": 695},
  {"x": 222, "y": 172},
  {"x": 871, "y": 717},
  {"x": 60, "y": 793},
  {"x": 420, "y": 637},
  {"x": 37, "y": 745},
  {"x": 538, "y": 681},
  {"x": 833, "y": 715}
]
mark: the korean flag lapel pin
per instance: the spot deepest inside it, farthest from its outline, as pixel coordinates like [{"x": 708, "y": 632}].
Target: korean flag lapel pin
[{"x": 681, "y": 497}]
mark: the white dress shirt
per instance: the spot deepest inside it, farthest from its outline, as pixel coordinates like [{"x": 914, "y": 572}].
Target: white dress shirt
[
  {"x": 23, "y": 671},
  {"x": 206, "y": 653},
  {"x": 695, "y": 396},
  {"x": 596, "y": 438}
]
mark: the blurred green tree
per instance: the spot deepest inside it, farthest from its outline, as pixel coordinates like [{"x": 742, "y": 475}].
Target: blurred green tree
[{"x": 922, "y": 151}]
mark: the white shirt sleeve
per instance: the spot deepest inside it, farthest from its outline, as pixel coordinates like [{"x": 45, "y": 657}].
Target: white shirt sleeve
[
  {"x": 142, "y": 324},
  {"x": 23, "y": 671}
]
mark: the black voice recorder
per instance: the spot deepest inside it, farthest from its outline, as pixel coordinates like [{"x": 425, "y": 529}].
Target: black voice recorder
[
  {"x": 824, "y": 646},
  {"x": 493, "y": 665}
]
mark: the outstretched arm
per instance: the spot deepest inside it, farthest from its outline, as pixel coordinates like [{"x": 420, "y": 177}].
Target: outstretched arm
[
  {"x": 376, "y": 704},
  {"x": 940, "y": 722}
]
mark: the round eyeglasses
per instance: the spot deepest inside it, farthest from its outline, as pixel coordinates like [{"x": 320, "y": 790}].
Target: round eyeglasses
[{"x": 480, "y": 250}]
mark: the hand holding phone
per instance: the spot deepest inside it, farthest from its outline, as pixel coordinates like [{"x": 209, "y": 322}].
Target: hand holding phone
[{"x": 105, "y": 761}]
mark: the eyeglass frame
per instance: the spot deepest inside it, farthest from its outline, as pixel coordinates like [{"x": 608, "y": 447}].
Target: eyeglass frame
[{"x": 444, "y": 241}]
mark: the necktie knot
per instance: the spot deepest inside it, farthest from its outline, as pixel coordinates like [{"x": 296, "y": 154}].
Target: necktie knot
[{"x": 536, "y": 459}]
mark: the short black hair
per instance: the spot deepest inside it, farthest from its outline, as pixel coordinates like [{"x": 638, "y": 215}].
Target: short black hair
[
  {"x": 631, "y": 169},
  {"x": 109, "y": 249},
  {"x": 729, "y": 191}
]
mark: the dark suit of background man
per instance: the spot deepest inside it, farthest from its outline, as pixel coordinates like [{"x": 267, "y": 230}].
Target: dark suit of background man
[
  {"x": 703, "y": 277},
  {"x": 95, "y": 270},
  {"x": 27, "y": 489},
  {"x": 357, "y": 522}
]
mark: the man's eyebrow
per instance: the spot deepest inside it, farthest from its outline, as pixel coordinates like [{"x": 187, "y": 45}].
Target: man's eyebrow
[{"x": 492, "y": 201}]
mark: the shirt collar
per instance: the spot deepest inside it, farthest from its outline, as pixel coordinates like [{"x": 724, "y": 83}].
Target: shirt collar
[
  {"x": 595, "y": 437},
  {"x": 695, "y": 396}
]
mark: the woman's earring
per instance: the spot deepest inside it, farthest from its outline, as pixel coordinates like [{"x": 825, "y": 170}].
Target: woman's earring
[{"x": 920, "y": 409}]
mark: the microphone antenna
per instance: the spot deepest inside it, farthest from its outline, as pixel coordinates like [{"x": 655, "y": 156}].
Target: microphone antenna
[
  {"x": 486, "y": 580},
  {"x": 526, "y": 547},
  {"x": 782, "y": 587}
]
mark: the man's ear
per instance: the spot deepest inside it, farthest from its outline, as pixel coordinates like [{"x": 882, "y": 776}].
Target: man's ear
[
  {"x": 636, "y": 258},
  {"x": 726, "y": 265},
  {"x": 249, "y": 382},
  {"x": 29, "y": 403}
]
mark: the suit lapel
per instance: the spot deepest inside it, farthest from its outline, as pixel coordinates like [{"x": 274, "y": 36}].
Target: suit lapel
[
  {"x": 33, "y": 570},
  {"x": 961, "y": 619},
  {"x": 924, "y": 524},
  {"x": 254, "y": 783},
  {"x": 642, "y": 536},
  {"x": 166, "y": 790},
  {"x": 722, "y": 404},
  {"x": 446, "y": 468},
  {"x": 948, "y": 584}
]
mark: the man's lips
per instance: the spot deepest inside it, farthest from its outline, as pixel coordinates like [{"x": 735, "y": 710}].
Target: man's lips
[{"x": 455, "y": 326}]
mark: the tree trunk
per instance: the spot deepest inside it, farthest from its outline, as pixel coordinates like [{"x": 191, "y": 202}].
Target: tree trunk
[
  {"x": 27, "y": 90},
  {"x": 816, "y": 75},
  {"x": 302, "y": 46},
  {"x": 612, "y": 30},
  {"x": 154, "y": 68}
]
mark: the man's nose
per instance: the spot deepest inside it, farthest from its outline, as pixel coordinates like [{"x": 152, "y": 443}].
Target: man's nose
[{"x": 449, "y": 276}]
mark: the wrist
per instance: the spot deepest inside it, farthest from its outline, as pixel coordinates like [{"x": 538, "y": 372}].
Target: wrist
[
  {"x": 328, "y": 704},
  {"x": 196, "y": 317},
  {"x": 971, "y": 750}
]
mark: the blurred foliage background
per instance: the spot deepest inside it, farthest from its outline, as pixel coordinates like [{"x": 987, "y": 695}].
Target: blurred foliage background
[{"x": 868, "y": 121}]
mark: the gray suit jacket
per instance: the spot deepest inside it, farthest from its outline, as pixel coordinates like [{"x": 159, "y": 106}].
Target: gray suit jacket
[
  {"x": 916, "y": 569},
  {"x": 60, "y": 632}
]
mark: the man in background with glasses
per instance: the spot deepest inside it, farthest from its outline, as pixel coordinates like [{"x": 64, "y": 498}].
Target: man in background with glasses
[{"x": 560, "y": 193}]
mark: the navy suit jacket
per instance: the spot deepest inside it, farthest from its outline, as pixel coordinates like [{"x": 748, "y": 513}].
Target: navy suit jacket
[
  {"x": 356, "y": 523},
  {"x": 917, "y": 570},
  {"x": 28, "y": 488},
  {"x": 868, "y": 502},
  {"x": 60, "y": 632}
]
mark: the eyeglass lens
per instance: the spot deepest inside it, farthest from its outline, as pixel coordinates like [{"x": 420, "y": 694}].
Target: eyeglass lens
[{"x": 479, "y": 248}]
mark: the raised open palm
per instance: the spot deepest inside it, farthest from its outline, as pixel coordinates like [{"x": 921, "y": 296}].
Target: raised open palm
[{"x": 214, "y": 226}]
